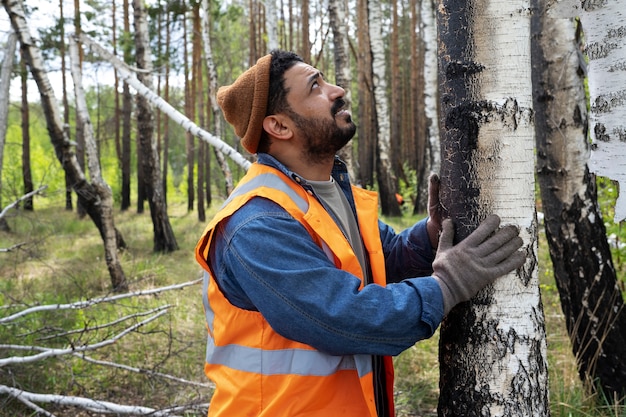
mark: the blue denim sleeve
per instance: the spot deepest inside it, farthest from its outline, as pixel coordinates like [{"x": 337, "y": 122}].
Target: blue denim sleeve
[
  {"x": 265, "y": 260},
  {"x": 407, "y": 254}
]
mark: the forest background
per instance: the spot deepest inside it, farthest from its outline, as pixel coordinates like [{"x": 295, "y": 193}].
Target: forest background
[{"x": 52, "y": 254}]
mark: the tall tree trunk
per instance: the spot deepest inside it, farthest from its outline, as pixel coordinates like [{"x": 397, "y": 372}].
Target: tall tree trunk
[
  {"x": 605, "y": 47},
  {"x": 166, "y": 97},
  {"x": 118, "y": 278},
  {"x": 58, "y": 136},
  {"x": 395, "y": 92},
  {"x": 271, "y": 24},
  {"x": 493, "y": 348},
  {"x": 366, "y": 128},
  {"x": 306, "y": 43},
  {"x": 164, "y": 239},
  {"x": 591, "y": 298},
  {"x": 190, "y": 113},
  {"x": 337, "y": 11},
  {"x": 428, "y": 29},
  {"x": 27, "y": 175},
  {"x": 5, "y": 82},
  {"x": 127, "y": 109},
  {"x": 216, "y": 120},
  {"x": 199, "y": 102},
  {"x": 116, "y": 84},
  {"x": 79, "y": 138},
  {"x": 384, "y": 170}
]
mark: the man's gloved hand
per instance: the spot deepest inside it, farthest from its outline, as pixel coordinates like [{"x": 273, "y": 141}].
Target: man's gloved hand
[
  {"x": 433, "y": 225},
  {"x": 479, "y": 259}
]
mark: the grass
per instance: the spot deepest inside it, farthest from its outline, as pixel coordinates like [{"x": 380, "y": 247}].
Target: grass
[{"x": 61, "y": 261}]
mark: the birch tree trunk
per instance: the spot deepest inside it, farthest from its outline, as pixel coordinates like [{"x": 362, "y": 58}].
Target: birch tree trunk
[
  {"x": 493, "y": 348},
  {"x": 5, "y": 82},
  {"x": 605, "y": 37},
  {"x": 62, "y": 146},
  {"x": 385, "y": 176},
  {"x": 216, "y": 124},
  {"x": 428, "y": 30},
  {"x": 591, "y": 298},
  {"x": 118, "y": 278},
  {"x": 164, "y": 239},
  {"x": 127, "y": 109},
  {"x": 341, "y": 48},
  {"x": 366, "y": 128},
  {"x": 27, "y": 174}
]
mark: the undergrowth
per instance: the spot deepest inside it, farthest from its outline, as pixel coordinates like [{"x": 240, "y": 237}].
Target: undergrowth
[{"x": 59, "y": 260}]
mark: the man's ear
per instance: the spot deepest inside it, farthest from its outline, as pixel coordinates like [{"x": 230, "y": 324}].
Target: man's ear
[{"x": 277, "y": 126}]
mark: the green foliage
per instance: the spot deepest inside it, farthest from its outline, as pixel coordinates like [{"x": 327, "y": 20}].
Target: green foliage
[{"x": 608, "y": 191}]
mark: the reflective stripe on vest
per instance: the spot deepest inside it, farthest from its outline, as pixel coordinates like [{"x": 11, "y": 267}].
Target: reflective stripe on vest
[
  {"x": 270, "y": 181},
  {"x": 277, "y": 362}
]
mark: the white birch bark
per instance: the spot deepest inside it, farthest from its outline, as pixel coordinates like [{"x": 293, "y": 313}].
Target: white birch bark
[
  {"x": 129, "y": 77},
  {"x": 100, "y": 185},
  {"x": 603, "y": 25},
  {"x": 212, "y": 93},
  {"x": 431, "y": 80},
  {"x": 386, "y": 180},
  {"x": 5, "y": 82},
  {"x": 338, "y": 23},
  {"x": 493, "y": 349}
]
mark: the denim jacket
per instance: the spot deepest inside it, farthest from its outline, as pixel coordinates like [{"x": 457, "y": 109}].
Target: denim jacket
[{"x": 265, "y": 260}]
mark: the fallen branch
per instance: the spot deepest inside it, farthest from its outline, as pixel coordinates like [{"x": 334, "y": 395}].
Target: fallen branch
[
  {"x": 102, "y": 326},
  {"x": 90, "y": 404},
  {"x": 94, "y": 301},
  {"x": 127, "y": 76},
  {"x": 143, "y": 371},
  {"x": 49, "y": 352},
  {"x": 22, "y": 198}
]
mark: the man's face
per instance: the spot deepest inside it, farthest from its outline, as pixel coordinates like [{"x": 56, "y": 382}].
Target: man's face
[{"x": 316, "y": 108}]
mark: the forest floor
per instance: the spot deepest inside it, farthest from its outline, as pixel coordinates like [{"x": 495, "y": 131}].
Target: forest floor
[{"x": 60, "y": 261}]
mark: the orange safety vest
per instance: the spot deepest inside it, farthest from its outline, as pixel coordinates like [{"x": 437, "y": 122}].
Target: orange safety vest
[{"x": 258, "y": 372}]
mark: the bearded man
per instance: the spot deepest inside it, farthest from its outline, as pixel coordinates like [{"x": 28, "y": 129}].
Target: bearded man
[{"x": 307, "y": 294}]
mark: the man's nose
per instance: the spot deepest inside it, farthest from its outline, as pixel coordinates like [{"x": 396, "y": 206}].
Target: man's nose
[{"x": 336, "y": 92}]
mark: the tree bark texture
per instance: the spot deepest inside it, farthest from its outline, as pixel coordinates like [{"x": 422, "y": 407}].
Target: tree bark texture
[
  {"x": 118, "y": 278},
  {"x": 493, "y": 348},
  {"x": 366, "y": 128},
  {"x": 5, "y": 81},
  {"x": 583, "y": 268},
  {"x": 27, "y": 173},
  {"x": 164, "y": 239},
  {"x": 384, "y": 172},
  {"x": 605, "y": 49},
  {"x": 343, "y": 78}
]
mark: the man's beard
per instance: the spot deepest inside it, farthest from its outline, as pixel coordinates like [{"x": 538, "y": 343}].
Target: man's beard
[{"x": 322, "y": 137}]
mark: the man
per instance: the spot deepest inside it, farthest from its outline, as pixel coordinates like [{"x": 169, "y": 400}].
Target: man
[{"x": 307, "y": 294}]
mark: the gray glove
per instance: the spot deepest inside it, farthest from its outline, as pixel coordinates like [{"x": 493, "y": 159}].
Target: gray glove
[{"x": 479, "y": 259}]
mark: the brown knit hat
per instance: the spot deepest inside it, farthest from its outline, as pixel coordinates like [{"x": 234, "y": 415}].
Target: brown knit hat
[{"x": 244, "y": 102}]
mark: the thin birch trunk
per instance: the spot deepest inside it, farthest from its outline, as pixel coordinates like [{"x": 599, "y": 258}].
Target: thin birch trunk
[
  {"x": 164, "y": 239},
  {"x": 493, "y": 348},
  {"x": 5, "y": 83},
  {"x": 337, "y": 19},
  {"x": 384, "y": 170},
  {"x": 605, "y": 38},
  {"x": 216, "y": 124},
  {"x": 590, "y": 296},
  {"x": 118, "y": 278}
]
